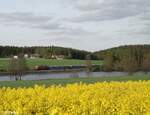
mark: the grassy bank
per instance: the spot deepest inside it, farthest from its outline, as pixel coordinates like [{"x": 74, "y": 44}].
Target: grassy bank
[
  {"x": 4, "y": 62},
  {"x": 71, "y": 80}
]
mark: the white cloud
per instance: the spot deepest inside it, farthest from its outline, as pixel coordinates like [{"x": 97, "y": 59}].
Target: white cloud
[
  {"x": 84, "y": 24},
  {"x": 100, "y": 10},
  {"x": 29, "y": 20}
]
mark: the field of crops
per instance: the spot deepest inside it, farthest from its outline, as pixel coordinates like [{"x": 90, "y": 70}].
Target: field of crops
[{"x": 114, "y": 98}]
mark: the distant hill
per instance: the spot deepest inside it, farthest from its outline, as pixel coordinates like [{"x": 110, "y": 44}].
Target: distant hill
[
  {"x": 144, "y": 49},
  {"x": 69, "y": 53},
  {"x": 129, "y": 58}
]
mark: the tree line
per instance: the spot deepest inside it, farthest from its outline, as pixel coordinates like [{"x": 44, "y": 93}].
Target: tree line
[
  {"x": 45, "y": 52},
  {"x": 130, "y": 58}
]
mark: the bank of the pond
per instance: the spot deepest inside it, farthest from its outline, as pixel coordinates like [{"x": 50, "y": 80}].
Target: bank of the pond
[
  {"x": 31, "y": 63},
  {"x": 64, "y": 81},
  {"x": 57, "y": 75},
  {"x": 40, "y": 72}
]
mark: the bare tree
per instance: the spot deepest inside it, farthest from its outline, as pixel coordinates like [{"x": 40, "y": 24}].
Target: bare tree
[
  {"x": 88, "y": 65},
  {"x": 21, "y": 66},
  {"x": 18, "y": 67},
  {"x": 12, "y": 67}
]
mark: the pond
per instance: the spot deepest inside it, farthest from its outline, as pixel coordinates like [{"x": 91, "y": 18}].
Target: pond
[{"x": 42, "y": 76}]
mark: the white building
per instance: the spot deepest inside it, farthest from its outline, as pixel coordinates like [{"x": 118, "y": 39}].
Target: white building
[
  {"x": 26, "y": 55},
  {"x": 15, "y": 57}
]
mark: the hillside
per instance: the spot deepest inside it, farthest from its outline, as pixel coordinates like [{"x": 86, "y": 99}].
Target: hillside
[
  {"x": 45, "y": 52},
  {"x": 144, "y": 49},
  {"x": 129, "y": 58}
]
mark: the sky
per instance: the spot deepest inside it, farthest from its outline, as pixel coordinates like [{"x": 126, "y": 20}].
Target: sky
[{"x": 82, "y": 24}]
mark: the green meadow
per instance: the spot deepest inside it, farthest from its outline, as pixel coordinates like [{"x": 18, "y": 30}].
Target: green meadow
[{"x": 4, "y": 62}]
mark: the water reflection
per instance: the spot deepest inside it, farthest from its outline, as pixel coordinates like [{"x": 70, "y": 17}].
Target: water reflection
[{"x": 42, "y": 76}]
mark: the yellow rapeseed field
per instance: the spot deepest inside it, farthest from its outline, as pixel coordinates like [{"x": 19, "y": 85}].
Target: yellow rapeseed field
[{"x": 114, "y": 98}]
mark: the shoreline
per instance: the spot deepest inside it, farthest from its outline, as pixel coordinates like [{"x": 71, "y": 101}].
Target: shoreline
[{"x": 44, "y": 71}]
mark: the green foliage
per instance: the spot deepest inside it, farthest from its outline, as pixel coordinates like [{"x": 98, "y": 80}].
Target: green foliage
[
  {"x": 126, "y": 58},
  {"x": 140, "y": 50},
  {"x": 108, "y": 62},
  {"x": 45, "y": 52},
  {"x": 128, "y": 62},
  {"x": 146, "y": 63}
]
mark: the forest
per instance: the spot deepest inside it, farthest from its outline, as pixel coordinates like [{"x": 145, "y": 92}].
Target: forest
[
  {"x": 45, "y": 52},
  {"x": 129, "y": 58}
]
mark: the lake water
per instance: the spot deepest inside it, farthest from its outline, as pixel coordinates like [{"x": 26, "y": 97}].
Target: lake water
[{"x": 42, "y": 76}]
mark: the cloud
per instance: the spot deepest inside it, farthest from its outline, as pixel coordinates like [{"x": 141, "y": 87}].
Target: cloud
[
  {"x": 29, "y": 20},
  {"x": 101, "y": 10},
  {"x": 72, "y": 32},
  {"x": 43, "y": 22},
  {"x": 85, "y": 24}
]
